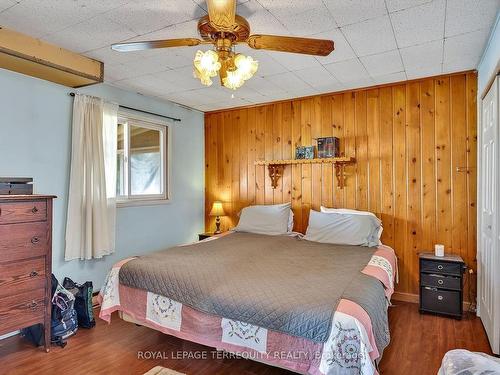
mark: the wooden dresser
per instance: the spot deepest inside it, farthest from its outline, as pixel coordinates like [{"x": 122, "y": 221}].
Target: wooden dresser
[{"x": 25, "y": 262}]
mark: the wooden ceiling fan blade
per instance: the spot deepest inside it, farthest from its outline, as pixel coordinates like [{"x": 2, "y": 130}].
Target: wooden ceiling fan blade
[
  {"x": 307, "y": 46},
  {"x": 151, "y": 44},
  {"x": 222, "y": 12}
]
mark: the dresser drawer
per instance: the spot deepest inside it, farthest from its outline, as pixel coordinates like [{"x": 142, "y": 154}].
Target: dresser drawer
[
  {"x": 22, "y": 276},
  {"x": 22, "y": 310},
  {"x": 440, "y": 301},
  {"x": 440, "y": 281},
  {"x": 23, "y": 212},
  {"x": 21, "y": 241},
  {"x": 432, "y": 266}
]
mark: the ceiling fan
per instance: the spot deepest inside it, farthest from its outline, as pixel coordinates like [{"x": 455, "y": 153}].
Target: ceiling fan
[{"x": 224, "y": 29}]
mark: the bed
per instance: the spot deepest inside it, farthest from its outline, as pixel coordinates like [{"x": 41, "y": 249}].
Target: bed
[{"x": 308, "y": 307}]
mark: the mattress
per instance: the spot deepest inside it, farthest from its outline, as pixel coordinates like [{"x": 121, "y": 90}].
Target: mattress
[{"x": 350, "y": 346}]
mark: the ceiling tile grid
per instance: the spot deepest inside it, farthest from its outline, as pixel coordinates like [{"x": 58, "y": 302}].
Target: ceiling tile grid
[{"x": 376, "y": 42}]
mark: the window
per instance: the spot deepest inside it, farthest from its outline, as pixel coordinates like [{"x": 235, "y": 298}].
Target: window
[{"x": 142, "y": 163}]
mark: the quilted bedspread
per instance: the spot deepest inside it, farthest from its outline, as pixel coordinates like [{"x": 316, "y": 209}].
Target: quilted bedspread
[{"x": 282, "y": 283}]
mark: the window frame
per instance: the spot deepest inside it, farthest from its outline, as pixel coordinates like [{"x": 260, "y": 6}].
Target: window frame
[{"x": 129, "y": 118}]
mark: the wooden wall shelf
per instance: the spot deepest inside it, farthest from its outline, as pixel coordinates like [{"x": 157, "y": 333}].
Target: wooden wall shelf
[{"x": 276, "y": 167}]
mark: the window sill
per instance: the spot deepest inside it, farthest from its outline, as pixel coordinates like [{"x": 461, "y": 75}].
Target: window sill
[{"x": 141, "y": 202}]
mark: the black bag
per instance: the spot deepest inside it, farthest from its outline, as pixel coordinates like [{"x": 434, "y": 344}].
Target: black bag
[
  {"x": 83, "y": 301},
  {"x": 63, "y": 319}
]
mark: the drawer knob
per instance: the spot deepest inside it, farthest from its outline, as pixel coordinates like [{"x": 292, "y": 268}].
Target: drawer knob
[
  {"x": 440, "y": 298},
  {"x": 440, "y": 266},
  {"x": 33, "y": 305},
  {"x": 33, "y": 274},
  {"x": 34, "y": 210},
  {"x": 35, "y": 240},
  {"x": 440, "y": 282}
]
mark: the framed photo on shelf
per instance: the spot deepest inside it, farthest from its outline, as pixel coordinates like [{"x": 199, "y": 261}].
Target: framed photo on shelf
[{"x": 304, "y": 152}]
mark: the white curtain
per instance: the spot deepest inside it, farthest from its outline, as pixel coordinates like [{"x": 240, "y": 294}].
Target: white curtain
[{"x": 90, "y": 226}]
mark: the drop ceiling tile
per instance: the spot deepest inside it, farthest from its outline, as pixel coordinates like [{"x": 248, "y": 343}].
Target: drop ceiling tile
[
  {"x": 333, "y": 86},
  {"x": 423, "y": 55},
  {"x": 395, "y": 5},
  {"x": 141, "y": 83},
  {"x": 371, "y": 36},
  {"x": 388, "y": 78},
  {"x": 5, "y": 4},
  {"x": 288, "y": 82},
  {"x": 342, "y": 51},
  {"x": 309, "y": 21},
  {"x": 261, "y": 20},
  {"x": 316, "y": 76},
  {"x": 112, "y": 57},
  {"x": 360, "y": 83},
  {"x": 264, "y": 86},
  {"x": 347, "y": 12},
  {"x": 464, "y": 51},
  {"x": 302, "y": 91},
  {"x": 119, "y": 72},
  {"x": 187, "y": 29},
  {"x": 247, "y": 93},
  {"x": 146, "y": 15},
  {"x": 94, "y": 33},
  {"x": 294, "y": 61},
  {"x": 464, "y": 16},
  {"x": 178, "y": 80},
  {"x": 285, "y": 8},
  {"x": 41, "y": 17},
  {"x": 348, "y": 71},
  {"x": 383, "y": 63},
  {"x": 419, "y": 24},
  {"x": 423, "y": 71}
]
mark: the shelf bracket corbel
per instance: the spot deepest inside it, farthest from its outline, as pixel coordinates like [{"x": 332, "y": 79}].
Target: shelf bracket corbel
[
  {"x": 340, "y": 174},
  {"x": 275, "y": 173}
]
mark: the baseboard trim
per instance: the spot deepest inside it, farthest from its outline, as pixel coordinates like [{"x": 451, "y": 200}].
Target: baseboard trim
[
  {"x": 405, "y": 297},
  {"x": 415, "y": 298}
]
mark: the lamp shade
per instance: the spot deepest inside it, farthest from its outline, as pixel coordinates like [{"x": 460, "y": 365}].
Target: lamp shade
[{"x": 217, "y": 209}]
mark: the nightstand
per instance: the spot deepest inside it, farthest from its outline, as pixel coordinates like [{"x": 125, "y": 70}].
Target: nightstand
[
  {"x": 441, "y": 284},
  {"x": 205, "y": 235}
]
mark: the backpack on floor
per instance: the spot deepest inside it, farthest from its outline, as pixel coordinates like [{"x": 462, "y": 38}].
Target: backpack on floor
[
  {"x": 83, "y": 301},
  {"x": 63, "y": 319}
]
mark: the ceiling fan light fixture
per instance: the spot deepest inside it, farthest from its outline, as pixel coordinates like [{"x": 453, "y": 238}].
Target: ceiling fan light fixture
[
  {"x": 207, "y": 63},
  {"x": 246, "y": 65},
  {"x": 233, "y": 80},
  {"x": 204, "y": 79}
]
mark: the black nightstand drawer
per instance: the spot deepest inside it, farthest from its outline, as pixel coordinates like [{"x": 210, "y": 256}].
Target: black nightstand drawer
[
  {"x": 441, "y": 281},
  {"x": 440, "y": 301},
  {"x": 432, "y": 266}
]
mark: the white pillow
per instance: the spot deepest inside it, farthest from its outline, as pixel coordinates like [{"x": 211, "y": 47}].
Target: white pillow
[
  {"x": 290, "y": 222},
  {"x": 343, "y": 229},
  {"x": 353, "y": 212},
  {"x": 265, "y": 219}
]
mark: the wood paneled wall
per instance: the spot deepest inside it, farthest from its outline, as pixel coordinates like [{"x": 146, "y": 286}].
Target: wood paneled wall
[{"x": 415, "y": 149}]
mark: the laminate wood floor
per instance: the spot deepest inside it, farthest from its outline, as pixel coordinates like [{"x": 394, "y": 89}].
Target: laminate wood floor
[{"x": 418, "y": 343}]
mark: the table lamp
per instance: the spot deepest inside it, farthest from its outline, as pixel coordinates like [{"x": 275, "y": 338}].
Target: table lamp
[{"x": 217, "y": 211}]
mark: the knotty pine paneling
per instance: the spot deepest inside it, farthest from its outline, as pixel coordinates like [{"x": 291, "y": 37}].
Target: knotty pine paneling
[{"x": 408, "y": 139}]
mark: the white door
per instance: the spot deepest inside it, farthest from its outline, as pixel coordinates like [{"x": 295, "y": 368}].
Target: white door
[{"x": 488, "y": 249}]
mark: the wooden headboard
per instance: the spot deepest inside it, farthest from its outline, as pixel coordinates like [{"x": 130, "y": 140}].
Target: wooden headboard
[{"x": 415, "y": 149}]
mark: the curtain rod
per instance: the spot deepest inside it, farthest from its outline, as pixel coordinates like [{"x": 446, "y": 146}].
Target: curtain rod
[{"x": 140, "y": 110}]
